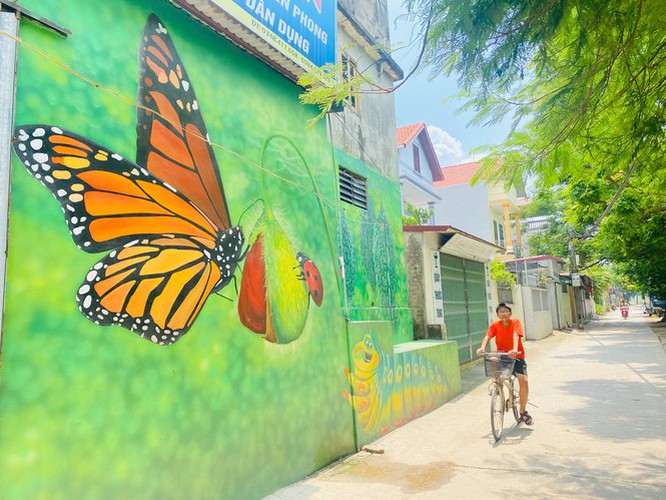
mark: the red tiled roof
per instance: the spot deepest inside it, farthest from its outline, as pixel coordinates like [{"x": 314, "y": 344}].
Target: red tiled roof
[
  {"x": 458, "y": 174},
  {"x": 408, "y": 133}
]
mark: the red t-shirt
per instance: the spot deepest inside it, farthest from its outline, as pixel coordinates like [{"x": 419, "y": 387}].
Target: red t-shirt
[{"x": 504, "y": 336}]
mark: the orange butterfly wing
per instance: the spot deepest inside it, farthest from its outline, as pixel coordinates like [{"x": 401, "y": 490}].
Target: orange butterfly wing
[
  {"x": 167, "y": 224},
  {"x": 155, "y": 288},
  {"x": 107, "y": 200},
  {"x": 167, "y": 256},
  {"x": 172, "y": 140}
]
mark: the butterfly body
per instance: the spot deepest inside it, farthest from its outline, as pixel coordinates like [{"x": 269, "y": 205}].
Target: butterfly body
[
  {"x": 312, "y": 276},
  {"x": 164, "y": 220}
]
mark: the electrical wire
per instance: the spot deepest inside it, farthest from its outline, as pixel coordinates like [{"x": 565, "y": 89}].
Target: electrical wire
[{"x": 329, "y": 203}]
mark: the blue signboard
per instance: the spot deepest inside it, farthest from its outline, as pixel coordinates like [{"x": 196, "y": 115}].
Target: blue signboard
[{"x": 302, "y": 30}]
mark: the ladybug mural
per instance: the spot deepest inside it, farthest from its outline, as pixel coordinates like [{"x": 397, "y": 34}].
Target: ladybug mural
[{"x": 310, "y": 273}]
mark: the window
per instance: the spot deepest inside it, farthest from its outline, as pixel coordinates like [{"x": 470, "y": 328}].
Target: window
[
  {"x": 349, "y": 71},
  {"x": 498, "y": 229},
  {"x": 417, "y": 158},
  {"x": 353, "y": 188}
]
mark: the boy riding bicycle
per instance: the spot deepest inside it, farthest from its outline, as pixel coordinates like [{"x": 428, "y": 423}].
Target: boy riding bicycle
[{"x": 508, "y": 335}]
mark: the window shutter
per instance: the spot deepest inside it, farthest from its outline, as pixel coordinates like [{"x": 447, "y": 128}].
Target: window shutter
[
  {"x": 353, "y": 188},
  {"x": 417, "y": 158}
]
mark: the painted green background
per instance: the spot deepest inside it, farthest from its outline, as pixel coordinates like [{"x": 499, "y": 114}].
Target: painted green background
[
  {"x": 406, "y": 383},
  {"x": 365, "y": 301},
  {"x": 93, "y": 412}
]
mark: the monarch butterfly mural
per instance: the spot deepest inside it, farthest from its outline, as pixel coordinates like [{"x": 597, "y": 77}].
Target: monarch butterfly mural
[
  {"x": 392, "y": 389},
  {"x": 164, "y": 220}
]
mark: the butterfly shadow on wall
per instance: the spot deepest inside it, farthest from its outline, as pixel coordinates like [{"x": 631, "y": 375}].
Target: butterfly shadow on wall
[{"x": 164, "y": 220}]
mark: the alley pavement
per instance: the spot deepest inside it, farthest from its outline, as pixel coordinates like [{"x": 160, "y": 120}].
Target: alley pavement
[{"x": 598, "y": 398}]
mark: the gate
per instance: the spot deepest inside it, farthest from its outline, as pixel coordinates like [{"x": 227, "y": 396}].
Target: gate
[{"x": 464, "y": 294}]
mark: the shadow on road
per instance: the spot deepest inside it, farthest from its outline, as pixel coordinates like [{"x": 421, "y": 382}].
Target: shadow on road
[{"x": 617, "y": 410}]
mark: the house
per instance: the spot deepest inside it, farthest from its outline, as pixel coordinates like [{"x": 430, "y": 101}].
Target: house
[
  {"x": 542, "y": 297},
  {"x": 489, "y": 211},
  {"x": 187, "y": 276},
  {"x": 447, "y": 260},
  {"x": 418, "y": 168},
  {"x": 449, "y": 285}
]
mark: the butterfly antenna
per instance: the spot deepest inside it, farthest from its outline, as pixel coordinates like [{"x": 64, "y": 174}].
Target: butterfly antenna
[{"x": 224, "y": 296}]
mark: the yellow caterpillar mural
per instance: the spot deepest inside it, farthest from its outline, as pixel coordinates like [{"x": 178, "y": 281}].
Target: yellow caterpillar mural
[{"x": 388, "y": 390}]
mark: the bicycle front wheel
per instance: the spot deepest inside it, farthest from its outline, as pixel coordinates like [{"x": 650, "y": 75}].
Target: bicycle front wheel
[{"x": 497, "y": 411}]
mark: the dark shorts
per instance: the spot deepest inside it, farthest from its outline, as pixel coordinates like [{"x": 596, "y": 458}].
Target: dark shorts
[{"x": 520, "y": 367}]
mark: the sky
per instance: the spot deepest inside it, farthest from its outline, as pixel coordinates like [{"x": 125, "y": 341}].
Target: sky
[{"x": 422, "y": 100}]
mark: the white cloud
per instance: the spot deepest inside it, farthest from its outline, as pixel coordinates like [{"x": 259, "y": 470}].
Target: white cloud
[{"x": 449, "y": 149}]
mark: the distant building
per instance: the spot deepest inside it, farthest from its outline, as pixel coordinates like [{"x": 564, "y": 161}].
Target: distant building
[
  {"x": 418, "y": 168},
  {"x": 489, "y": 211}
]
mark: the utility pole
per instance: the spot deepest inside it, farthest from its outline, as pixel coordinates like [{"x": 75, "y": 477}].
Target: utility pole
[{"x": 573, "y": 269}]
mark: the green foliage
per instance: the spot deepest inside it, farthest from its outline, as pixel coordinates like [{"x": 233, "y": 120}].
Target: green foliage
[
  {"x": 416, "y": 216},
  {"x": 546, "y": 201},
  {"x": 329, "y": 87},
  {"x": 551, "y": 241},
  {"x": 499, "y": 273},
  {"x": 602, "y": 279},
  {"x": 584, "y": 85}
]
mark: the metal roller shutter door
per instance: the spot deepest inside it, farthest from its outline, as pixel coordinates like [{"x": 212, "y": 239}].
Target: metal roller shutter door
[{"x": 464, "y": 294}]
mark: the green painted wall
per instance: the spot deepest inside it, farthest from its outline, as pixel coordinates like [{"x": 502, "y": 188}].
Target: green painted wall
[
  {"x": 88, "y": 411},
  {"x": 393, "y": 379},
  {"x": 370, "y": 241},
  {"x": 391, "y": 386}
]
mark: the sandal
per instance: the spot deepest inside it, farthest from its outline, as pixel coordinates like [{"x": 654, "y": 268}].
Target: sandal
[{"x": 526, "y": 418}]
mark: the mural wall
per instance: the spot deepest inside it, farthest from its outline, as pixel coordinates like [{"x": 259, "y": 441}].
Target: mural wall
[
  {"x": 392, "y": 379},
  {"x": 370, "y": 241},
  {"x": 391, "y": 386},
  {"x": 178, "y": 331}
]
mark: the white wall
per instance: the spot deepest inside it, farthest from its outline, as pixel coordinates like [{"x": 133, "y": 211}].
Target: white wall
[
  {"x": 538, "y": 323},
  {"x": 466, "y": 208}
]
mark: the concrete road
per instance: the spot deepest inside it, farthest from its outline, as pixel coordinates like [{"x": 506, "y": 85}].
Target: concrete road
[{"x": 598, "y": 398}]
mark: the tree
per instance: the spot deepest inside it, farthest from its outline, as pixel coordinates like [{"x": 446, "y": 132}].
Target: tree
[
  {"x": 499, "y": 273},
  {"x": 584, "y": 81},
  {"x": 416, "y": 216}
]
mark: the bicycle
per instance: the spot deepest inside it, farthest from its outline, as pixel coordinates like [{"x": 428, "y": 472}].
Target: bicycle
[{"x": 499, "y": 366}]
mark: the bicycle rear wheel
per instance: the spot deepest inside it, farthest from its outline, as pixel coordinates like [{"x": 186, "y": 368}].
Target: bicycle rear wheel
[
  {"x": 497, "y": 411},
  {"x": 515, "y": 398}
]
